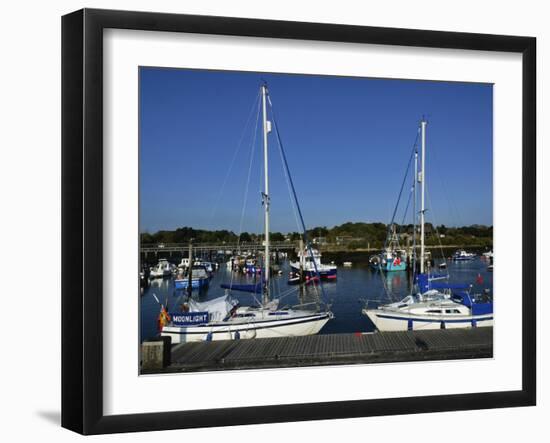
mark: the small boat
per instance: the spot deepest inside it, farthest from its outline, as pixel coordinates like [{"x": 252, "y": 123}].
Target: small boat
[
  {"x": 389, "y": 260},
  {"x": 295, "y": 279},
  {"x": 490, "y": 267},
  {"x": 392, "y": 258},
  {"x": 206, "y": 264},
  {"x": 184, "y": 263},
  {"x": 235, "y": 263},
  {"x": 200, "y": 278},
  {"x": 347, "y": 264},
  {"x": 462, "y": 255},
  {"x": 488, "y": 254},
  {"x": 442, "y": 265},
  {"x": 144, "y": 277},
  {"x": 162, "y": 269},
  {"x": 251, "y": 266},
  {"x": 434, "y": 303},
  {"x": 310, "y": 262}
]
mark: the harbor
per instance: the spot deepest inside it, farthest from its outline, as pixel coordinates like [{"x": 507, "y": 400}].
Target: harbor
[
  {"x": 347, "y": 294},
  {"x": 261, "y": 301}
]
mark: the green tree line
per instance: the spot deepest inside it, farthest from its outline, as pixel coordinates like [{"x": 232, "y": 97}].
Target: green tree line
[{"x": 351, "y": 235}]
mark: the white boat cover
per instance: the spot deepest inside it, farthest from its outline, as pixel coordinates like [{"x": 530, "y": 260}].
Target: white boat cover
[{"x": 218, "y": 308}]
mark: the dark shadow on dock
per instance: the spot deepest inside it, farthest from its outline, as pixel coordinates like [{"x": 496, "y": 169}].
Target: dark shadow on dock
[{"x": 331, "y": 349}]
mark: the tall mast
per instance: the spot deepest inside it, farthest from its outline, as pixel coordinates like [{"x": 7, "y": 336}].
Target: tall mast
[
  {"x": 190, "y": 270},
  {"x": 415, "y": 215},
  {"x": 266, "y": 125},
  {"x": 422, "y": 196}
]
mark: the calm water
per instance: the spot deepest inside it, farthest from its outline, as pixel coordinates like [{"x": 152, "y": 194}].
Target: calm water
[{"x": 347, "y": 295}]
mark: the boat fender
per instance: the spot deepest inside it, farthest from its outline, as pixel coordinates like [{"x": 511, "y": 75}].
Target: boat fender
[
  {"x": 237, "y": 335},
  {"x": 209, "y": 336}
]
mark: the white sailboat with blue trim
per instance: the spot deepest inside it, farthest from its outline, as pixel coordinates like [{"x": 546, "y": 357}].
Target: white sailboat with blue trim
[
  {"x": 223, "y": 318},
  {"x": 436, "y": 304}
]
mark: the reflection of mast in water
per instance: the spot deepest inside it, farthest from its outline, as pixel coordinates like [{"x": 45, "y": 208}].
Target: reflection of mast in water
[
  {"x": 302, "y": 294},
  {"x": 394, "y": 281},
  {"x": 301, "y": 255}
]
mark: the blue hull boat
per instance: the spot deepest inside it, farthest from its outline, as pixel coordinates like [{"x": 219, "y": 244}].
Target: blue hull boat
[
  {"x": 389, "y": 266},
  {"x": 391, "y": 260}
]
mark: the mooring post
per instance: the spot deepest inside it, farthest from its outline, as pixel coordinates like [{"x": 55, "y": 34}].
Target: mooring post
[{"x": 155, "y": 353}]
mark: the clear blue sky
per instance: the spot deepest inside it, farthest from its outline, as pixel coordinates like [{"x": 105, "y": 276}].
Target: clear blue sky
[{"x": 347, "y": 141}]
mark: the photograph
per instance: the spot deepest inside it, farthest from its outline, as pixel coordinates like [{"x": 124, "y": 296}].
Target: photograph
[{"x": 290, "y": 220}]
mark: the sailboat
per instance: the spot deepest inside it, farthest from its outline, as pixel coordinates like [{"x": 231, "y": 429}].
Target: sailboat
[
  {"x": 223, "y": 318},
  {"x": 436, "y": 304},
  {"x": 392, "y": 257}
]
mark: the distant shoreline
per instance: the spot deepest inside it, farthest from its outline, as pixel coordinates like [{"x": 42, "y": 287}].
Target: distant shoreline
[{"x": 476, "y": 247}]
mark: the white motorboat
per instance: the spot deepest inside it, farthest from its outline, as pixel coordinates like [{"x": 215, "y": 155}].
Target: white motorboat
[
  {"x": 434, "y": 305},
  {"x": 162, "y": 269},
  {"x": 184, "y": 263},
  {"x": 462, "y": 255},
  {"x": 310, "y": 262},
  {"x": 206, "y": 264}
]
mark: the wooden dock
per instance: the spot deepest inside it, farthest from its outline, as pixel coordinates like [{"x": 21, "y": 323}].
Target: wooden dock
[
  {"x": 331, "y": 349},
  {"x": 207, "y": 248}
]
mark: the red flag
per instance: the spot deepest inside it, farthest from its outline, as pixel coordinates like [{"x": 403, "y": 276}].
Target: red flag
[{"x": 479, "y": 279}]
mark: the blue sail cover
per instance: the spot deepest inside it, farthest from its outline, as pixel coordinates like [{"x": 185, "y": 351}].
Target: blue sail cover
[
  {"x": 441, "y": 285},
  {"x": 482, "y": 308},
  {"x": 478, "y": 308},
  {"x": 425, "y": 283},
  {"x": 255, "y": 289}
]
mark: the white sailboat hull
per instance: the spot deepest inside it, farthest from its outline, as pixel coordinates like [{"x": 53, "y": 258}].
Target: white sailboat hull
[
  {"x": 395, "y": 321},
  {"x": 229, "y": 330}
]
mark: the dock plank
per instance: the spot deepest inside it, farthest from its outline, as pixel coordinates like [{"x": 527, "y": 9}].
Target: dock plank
[{"x": 331, "y": 349}]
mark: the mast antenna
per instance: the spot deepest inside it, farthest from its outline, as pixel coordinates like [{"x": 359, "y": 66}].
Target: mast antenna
[
  {"x": 422, "y": 179},
  {"x": 265, "y": 195}
]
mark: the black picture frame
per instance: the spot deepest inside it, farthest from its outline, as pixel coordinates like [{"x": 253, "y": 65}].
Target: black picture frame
[{"x": 82, "y": 218}]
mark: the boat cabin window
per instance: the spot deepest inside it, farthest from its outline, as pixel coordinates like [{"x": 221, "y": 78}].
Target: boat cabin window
[
  {"x": 434, "y": 311},
  {"x": 452, "y": 311},
  {"x": 245, "y": 315}
]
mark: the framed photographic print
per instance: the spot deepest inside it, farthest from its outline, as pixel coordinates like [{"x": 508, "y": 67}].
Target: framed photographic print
[{"x": 256, "y": 207}]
